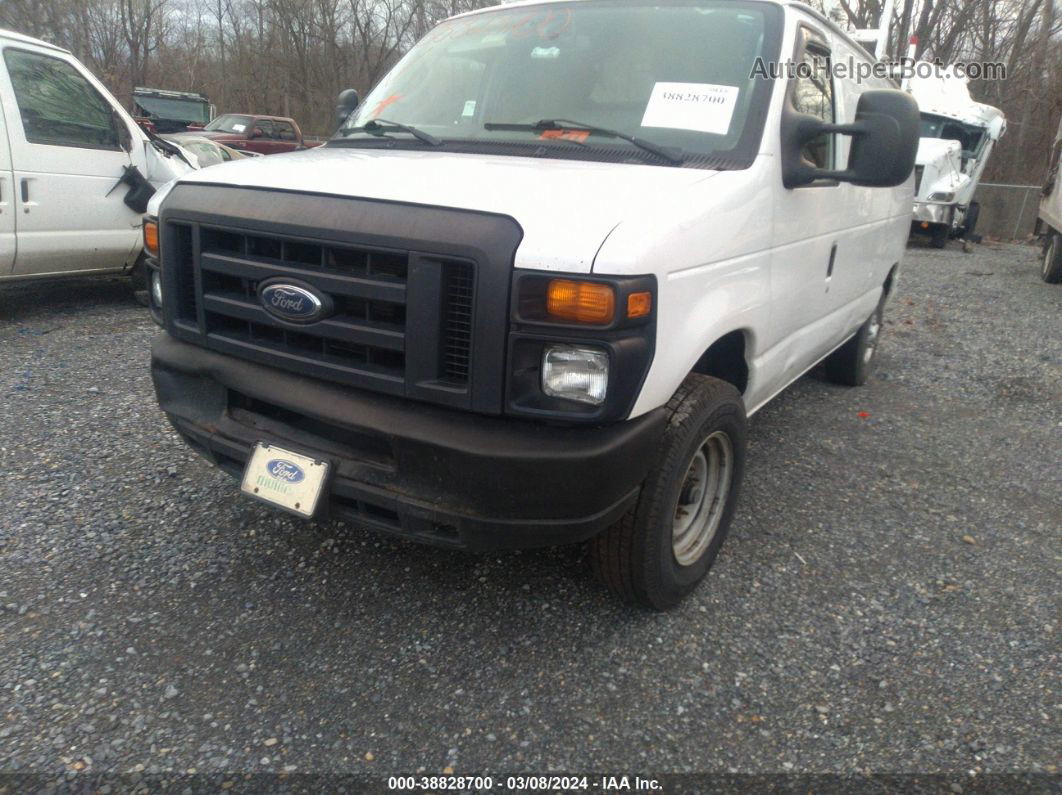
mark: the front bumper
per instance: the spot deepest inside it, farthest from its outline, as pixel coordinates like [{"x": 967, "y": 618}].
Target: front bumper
[
  {"x": 431, "y": 474},
  {"x": 932, "y": 213}
]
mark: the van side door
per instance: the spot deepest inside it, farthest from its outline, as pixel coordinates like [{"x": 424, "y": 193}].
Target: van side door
[
  {"x": 871, "y": 241},
  {"x": 807, "y": 226},
  {"x": 67, "y": 152},
  {"x": 7, "y": 206}
]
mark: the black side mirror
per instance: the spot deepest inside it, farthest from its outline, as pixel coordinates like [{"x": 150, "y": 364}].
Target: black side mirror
[
  {"x": 884, "y": 142},
  {"x": 346, "y": 103}
]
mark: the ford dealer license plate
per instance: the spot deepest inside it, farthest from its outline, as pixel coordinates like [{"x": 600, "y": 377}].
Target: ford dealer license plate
[{"x": 285, "y": 479}]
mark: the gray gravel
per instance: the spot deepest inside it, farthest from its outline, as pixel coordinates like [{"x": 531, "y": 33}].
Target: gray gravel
[{"x": 888, "y": 600}]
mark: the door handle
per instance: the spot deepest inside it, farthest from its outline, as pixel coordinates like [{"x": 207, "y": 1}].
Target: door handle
[
  {"x": 833, "y": 256},
  {"x": 25, "y": 190}
]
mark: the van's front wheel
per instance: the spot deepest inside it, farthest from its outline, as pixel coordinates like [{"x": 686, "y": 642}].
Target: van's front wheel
[{"x": 663, "y": 547}]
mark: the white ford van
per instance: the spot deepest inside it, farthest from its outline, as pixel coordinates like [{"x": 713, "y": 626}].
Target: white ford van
[
  {"x": 532, "y": 289},
  {"x": 65, "y": 146}
]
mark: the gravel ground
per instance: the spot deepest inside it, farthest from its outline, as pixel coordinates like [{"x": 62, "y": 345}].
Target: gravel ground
[{"x": 888, "y": 600}]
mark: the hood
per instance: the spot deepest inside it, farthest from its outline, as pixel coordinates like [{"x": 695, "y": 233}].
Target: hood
[
  {"x": 941, "y": 163},
  {"x": 566, "y": 208},
  {"x": 218, "y": 136},
  {"x": 938, "y": 151}
]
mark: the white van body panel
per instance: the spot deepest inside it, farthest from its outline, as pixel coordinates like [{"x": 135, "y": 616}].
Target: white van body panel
[
  {"x": 566, "y": 208},
  {"x": 69, "y": 217},
  {"x": 8, "y": 241},
  {"x": 743, "y": 254}
]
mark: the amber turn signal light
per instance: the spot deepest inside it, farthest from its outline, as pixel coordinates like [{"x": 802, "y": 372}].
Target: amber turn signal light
[
  {"x": 639, "y": 304},
  {"x": 583, "y": 302},
  {"x": 151, "y": 237}
]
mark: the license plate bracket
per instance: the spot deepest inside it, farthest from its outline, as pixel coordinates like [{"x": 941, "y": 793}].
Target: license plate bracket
[{"x": 285, "y": 479}]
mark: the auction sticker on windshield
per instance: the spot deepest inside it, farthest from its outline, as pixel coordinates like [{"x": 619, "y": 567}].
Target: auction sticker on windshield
[
  {"x": 703, "y": 107},
  {"x": 288, "y": 480}
]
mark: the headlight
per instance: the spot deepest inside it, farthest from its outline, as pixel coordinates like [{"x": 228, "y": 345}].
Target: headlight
[
  {"x": 575, "y": 373},
  {"x": 943, "y": 196},
  {"x": 156, "y": 289}
]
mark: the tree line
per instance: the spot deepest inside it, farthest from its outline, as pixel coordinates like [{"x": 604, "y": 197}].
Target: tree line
[{"x": 291, "y": 57}]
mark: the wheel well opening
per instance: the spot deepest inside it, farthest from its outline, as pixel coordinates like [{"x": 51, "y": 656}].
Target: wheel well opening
[
  {"x": 889, "y": 280},
  {"x": 725, "y": 360}
]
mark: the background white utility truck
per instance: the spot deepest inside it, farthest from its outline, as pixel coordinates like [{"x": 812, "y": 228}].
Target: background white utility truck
[{"x": 956, "y": 140}]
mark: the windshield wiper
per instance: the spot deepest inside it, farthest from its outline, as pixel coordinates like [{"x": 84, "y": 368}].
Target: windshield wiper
[
  {"x": 672, "y": 155},
  {"x": 381, "y": 126}
]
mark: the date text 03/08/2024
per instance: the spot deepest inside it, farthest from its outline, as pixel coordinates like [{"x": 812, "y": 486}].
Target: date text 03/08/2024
[{"x": 601, "y": 783}]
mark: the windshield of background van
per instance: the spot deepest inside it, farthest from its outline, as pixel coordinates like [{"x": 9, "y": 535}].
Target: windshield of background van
[{"x": 676, "y": 75}]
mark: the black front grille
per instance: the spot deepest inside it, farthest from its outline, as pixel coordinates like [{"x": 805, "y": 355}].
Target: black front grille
[
  {"x": 365, "y": 341},
  {"x": 457, "y": 324}
]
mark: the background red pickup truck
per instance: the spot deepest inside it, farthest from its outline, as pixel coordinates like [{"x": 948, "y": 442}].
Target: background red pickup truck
[{"x": 267, "y": 135}]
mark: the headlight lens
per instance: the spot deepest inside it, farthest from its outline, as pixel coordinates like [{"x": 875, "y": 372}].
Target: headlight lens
[
  {"x": 575, "y": 373},
  {"x": 156, "y": 289}
]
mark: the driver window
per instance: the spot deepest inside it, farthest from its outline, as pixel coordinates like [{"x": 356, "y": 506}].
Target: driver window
[
  {"x": 813, "y": 94},
  {"x": 58, "y": 105}
]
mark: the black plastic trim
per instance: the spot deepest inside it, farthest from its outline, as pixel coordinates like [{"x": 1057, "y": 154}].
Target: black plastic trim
[
  {"x": 630, "y": 344},
  {"x": 428, "y": 473}
]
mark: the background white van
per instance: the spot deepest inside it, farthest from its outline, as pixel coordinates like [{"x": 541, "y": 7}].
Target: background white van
[{"x": 65, "y": 144}]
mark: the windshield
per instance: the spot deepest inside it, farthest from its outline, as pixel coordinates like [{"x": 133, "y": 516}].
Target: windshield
[
  {"x": 676, "y": 75},
  {"x": 175, "y": 109},
  {"x": 230, "y": 123},
  {"x": 969, "y": 136}
]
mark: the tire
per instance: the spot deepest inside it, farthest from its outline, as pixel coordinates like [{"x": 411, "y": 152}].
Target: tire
[
  {"x": 138, "y": 280},
  {"x": 969, "y": 224},
  {"x": 1051, "y": 269},
  {"x": 854, "y": 362},
  {"x": 938, "y": 235},
  {"x": 654, "y": 555}
]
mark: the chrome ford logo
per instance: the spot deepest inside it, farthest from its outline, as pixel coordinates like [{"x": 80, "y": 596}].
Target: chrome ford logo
[
  {"x": 285, "y": 471},
  {"x": 292, "y": 302}
]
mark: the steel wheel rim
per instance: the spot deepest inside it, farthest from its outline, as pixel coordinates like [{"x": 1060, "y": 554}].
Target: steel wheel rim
[
  {"x": 1049, "y": 253},
  {"x": 873, "y": 332},
  {"x": 702, "y": 498}
]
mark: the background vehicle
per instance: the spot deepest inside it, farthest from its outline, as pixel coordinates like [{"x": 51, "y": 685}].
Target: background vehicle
[
  {"x": 957, "y": 138},
  {"x": 266, "y": 135},
  {"x": 75, "y": 169},
  {"x": 535, "y": 300},
  {"x": 207, "y": 151},
  {"x": 171, "y": 111},
  {"x": 1049, "y": 220}
]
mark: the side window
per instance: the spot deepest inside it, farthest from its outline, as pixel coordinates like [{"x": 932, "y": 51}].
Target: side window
[
  {"x": 265, "y": 127},
  {"x": 57, "y": 105},
  {"x": 285, "y": 132},
  {"x": 813, "y": 94}
]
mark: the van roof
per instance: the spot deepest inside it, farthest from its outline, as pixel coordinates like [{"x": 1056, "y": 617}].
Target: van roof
[
  {"x": 24, "y": 39},
  {"x": 797, "y": 4}
]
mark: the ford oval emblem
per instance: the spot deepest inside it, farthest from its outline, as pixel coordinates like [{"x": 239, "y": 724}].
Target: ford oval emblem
[
  {"x": 294, "y": 303},
  {"x": 285, "y": 471}
]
